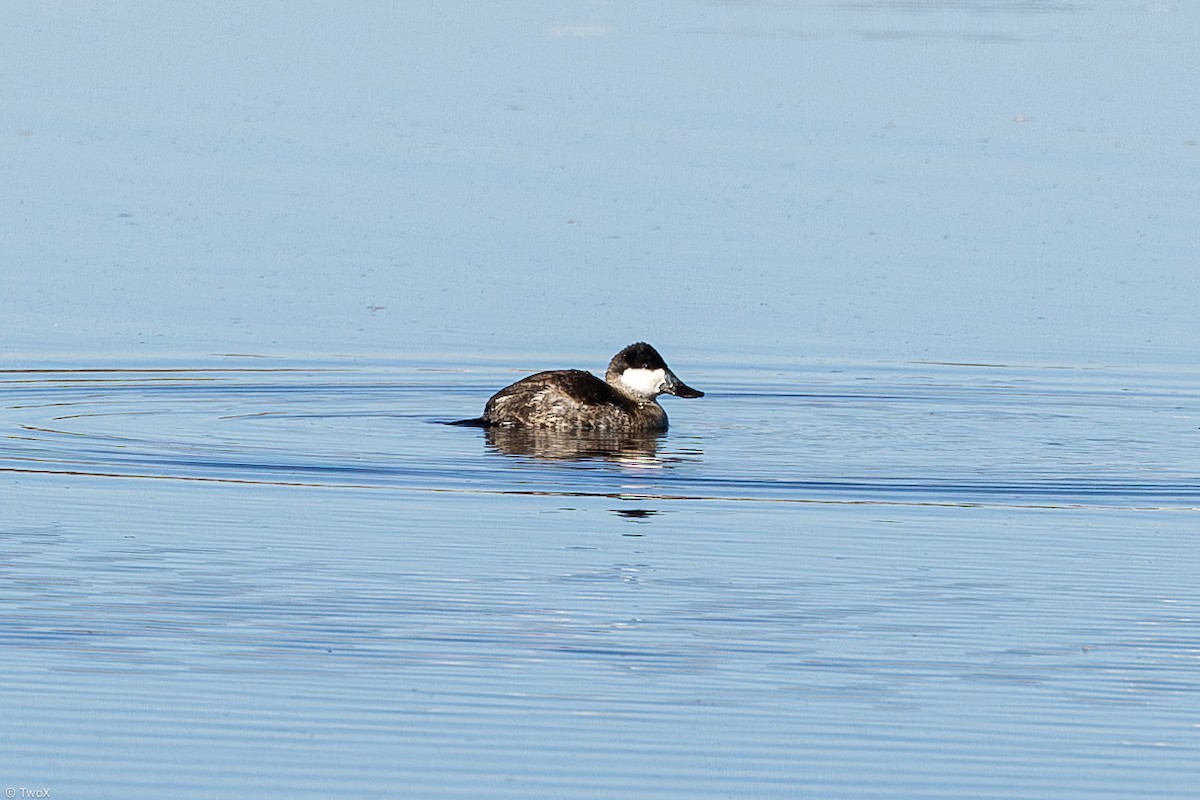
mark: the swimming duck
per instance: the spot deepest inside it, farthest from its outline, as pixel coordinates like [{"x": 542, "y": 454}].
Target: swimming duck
[{"x": 626, "y": 400}]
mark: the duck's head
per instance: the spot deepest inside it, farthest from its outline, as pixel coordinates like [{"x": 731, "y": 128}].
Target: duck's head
[{"x": 639, "y": 372}]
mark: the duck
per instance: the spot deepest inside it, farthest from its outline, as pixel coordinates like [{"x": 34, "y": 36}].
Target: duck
[{"x": 573, "y": 399}]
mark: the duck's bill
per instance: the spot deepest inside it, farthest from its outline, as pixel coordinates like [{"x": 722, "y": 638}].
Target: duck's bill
[{"x": 679, "y": 388}]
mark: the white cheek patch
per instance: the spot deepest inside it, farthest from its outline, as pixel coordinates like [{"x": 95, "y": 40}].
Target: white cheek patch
[{"x": 646, "y": 382}]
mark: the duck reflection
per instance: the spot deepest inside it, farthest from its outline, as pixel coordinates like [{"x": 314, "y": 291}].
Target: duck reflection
[
  {"x": 636, "y": 514},
  {"x": 559, "y": 445}
]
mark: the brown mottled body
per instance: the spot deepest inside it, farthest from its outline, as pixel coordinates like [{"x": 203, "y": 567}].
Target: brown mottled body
[{"x": 572, "y": 398}]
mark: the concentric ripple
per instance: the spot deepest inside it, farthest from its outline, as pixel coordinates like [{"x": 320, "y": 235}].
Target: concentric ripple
[{"x": 920, "y": 434}]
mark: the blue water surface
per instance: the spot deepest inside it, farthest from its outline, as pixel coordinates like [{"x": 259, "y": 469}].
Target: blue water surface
[{"x": 931, "y": 532}]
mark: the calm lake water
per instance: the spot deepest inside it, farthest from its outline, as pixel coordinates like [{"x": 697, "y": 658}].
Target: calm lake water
[
  {"x": 931, "y": 533},
  {"x": 865, "y": 580}
]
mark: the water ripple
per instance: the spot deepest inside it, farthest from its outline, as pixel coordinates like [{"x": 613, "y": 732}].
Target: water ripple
[{"x": 948, "y": 438}]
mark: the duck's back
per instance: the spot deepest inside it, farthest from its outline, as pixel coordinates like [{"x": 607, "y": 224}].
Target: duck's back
[{"x": 570, "y": 398}]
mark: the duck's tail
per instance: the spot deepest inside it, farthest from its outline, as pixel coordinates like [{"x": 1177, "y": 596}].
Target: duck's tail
[{"x": 478, "y": 422}]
